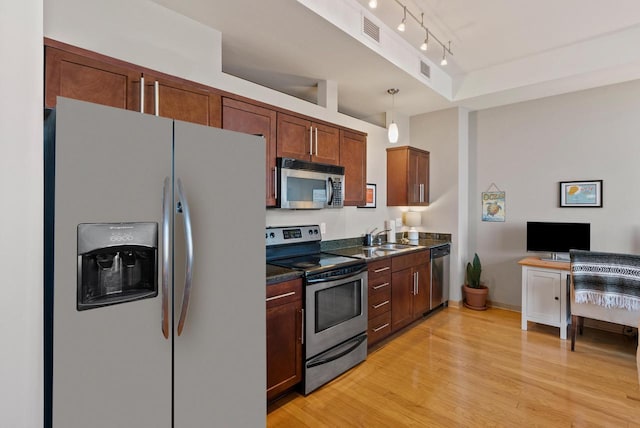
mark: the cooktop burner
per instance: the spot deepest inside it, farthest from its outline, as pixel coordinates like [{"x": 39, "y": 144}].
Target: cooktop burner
[{"x": 316, "y": 262}]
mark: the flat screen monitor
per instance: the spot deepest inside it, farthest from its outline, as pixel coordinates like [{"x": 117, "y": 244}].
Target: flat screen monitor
[{"x": 558, "y": 238}]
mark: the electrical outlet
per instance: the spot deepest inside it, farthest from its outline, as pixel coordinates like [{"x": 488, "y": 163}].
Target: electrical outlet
[
  {"x": 323, "y": 228},
  {"x": 398, "y": 223}
]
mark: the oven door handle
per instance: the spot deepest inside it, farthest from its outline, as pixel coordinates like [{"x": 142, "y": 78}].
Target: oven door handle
[
  {"x": 358, "y": 341},
  {"x": 336, "y": 278}
]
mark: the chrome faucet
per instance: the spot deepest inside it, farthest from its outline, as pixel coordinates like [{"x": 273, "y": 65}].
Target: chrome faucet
[{"x": 378, "y": 238}]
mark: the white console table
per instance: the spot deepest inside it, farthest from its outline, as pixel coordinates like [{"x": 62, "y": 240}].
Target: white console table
[{"x": 545, "y": 297}]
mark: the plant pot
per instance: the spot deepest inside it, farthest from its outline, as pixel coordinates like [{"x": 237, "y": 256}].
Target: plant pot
[{"x": 476, "y": 298}]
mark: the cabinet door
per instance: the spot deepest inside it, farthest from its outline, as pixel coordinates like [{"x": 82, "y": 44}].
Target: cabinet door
[
  {"x": 422, "y": 164},
  {"x": 326, "y": 144},
  {"x": 543, "y": 296},
  {"x": 401, "y": 298},
  {"x": 86, "y": 79},
  {"x": 422, "y": 298},
  {"x": 353, "y": 156},
  {"x": 284, "y": 337},
  {"x": 294, "y": 137},
  {"x": 178, "y": 100},
  {"x": 251, "y": 119}
]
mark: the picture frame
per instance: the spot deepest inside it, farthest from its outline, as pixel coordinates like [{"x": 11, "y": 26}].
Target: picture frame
[
  {"x": 581, "y": 194},
  {"x": 370, "y": 196}
]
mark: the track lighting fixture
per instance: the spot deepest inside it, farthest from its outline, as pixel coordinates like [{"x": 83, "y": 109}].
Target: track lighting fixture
[
  {"x": 425, "y": 44},
  {"x": 373, "y": 4},
  {"x": 402, "y": 25},
  {"x": 393, "y": 128}
]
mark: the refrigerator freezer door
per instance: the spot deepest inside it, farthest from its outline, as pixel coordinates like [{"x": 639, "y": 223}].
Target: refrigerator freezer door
[
  {"x": 111, "y": 365},
  {"x": 219, "y": 358}
]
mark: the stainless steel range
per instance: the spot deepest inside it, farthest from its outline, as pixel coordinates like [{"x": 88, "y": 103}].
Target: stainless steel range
[{"x": 335, "y": 328}]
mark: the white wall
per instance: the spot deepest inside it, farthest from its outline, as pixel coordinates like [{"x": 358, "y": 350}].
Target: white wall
[
  {"x": 443, "y": 134},
  {"x": 195, "y": 54},
  {"x": 527, "y": 148},
  {"x": 21, "y": 214}
]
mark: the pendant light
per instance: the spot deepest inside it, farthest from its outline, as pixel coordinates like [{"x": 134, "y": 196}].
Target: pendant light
[{"x": 393, "y": 128}]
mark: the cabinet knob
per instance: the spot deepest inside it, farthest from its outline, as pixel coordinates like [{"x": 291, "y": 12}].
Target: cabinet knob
[{"x": 556, "y": 298}]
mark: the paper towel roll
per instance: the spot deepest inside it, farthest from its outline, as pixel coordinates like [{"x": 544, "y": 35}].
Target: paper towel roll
[{"x": 391, "y": 233}]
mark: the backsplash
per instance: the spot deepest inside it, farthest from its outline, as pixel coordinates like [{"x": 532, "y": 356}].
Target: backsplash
[{"x": 355, "y": 242}]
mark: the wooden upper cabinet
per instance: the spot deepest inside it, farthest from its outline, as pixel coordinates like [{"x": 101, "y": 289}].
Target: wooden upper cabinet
[
  {"x": 303, "y": 139},
  {"x": 88, "y": 76},
  {"x": 353, "y": 156},
  {"x": 177, "y": 100},
  {"x": 87, "y": 79},
  {"x": 407, "y": 176},
  {"x": 251, "y": 119}
]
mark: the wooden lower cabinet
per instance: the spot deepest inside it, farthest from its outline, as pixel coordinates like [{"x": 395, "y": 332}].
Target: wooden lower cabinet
[
  {"x": 410, "y": 284},
  {"x": 379, "y": 301},
  {"x": 284, "y": 336}
]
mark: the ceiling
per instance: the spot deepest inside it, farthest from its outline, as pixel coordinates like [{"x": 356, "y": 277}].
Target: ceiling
[{"x": 504, "y": 51}]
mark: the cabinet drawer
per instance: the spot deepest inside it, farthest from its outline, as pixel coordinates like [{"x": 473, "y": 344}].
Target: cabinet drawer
[
  {"x": 284, "y": 292},
  {"x": 379, "y": 269},
  {"x": 379, "y": 284},
  {"x": 409, "y": 260},
  {"x": 379, "y": 328},
  {"x": 379, "y": 303}
]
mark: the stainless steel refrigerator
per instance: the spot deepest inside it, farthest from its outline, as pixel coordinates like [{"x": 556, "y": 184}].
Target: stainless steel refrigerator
[{"x": 154, "y": 272}]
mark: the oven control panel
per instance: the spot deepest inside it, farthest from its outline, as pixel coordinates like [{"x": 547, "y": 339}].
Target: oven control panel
[{"x": 292, "y": 234}]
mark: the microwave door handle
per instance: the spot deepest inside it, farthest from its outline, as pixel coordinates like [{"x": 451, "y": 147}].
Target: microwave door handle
[
  {"x": 166, "y": 213},
  {"x": 330, "y": 181},
  {"x": 184, "y": 208},
  {"x": 275, "y": 182}
]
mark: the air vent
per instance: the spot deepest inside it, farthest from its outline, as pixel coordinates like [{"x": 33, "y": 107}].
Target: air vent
[
  {"x": 370, "y": 29},
  {"x": 425, "y": 70}
]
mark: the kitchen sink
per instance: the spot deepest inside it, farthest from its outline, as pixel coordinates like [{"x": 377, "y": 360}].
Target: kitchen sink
[{"x": 390, "y": 247}]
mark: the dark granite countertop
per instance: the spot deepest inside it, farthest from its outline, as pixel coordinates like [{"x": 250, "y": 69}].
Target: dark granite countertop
[
  {"x": 368, "y": 253},
  {"x": 352, "y": 248},
  {"x": 276, "y": 274}
]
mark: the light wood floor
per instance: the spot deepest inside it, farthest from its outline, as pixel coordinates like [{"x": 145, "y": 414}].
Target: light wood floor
[{"x": 474, "y": 369}]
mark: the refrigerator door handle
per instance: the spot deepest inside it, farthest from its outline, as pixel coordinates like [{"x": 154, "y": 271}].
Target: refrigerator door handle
[
  {"x": 166, "y": 213},
  {"x": 183, "y": 207}
]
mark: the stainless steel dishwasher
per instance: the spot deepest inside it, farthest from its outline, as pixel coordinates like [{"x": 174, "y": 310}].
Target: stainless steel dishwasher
[{"x": 440, "y": 276}]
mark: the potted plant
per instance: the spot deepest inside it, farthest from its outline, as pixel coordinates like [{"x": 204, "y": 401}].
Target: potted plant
[{"x": 475, "y": 293}]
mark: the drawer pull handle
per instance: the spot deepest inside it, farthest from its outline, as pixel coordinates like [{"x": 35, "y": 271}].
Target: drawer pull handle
[
  {"x": 379, "y": 305},
  {"x": 375, "y": 330},
  {"x": 381, "y": 269},
  {"x": 377, "y": 287},
  {"x": 280, "y": 296}
]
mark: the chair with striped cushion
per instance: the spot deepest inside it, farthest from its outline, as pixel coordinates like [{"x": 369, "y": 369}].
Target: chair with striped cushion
[{"x": 605, "y": 287}]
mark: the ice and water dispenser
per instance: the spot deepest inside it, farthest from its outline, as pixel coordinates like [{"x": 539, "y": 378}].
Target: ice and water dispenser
[{"x": 117, "y": 262}]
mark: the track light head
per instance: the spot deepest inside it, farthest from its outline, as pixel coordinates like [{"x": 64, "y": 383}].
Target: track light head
[{"x": 402, "y": 25}]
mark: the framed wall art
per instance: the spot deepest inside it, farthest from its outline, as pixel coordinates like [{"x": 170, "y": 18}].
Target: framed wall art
[
  {"x": 370, "y": 196},
  {"x": 581, "y": 194},
  {"x": 494, "y": 204}
]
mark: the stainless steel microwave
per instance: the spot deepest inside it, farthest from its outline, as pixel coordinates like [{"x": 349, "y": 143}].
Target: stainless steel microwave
[{"x": 305, "y": 185}]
